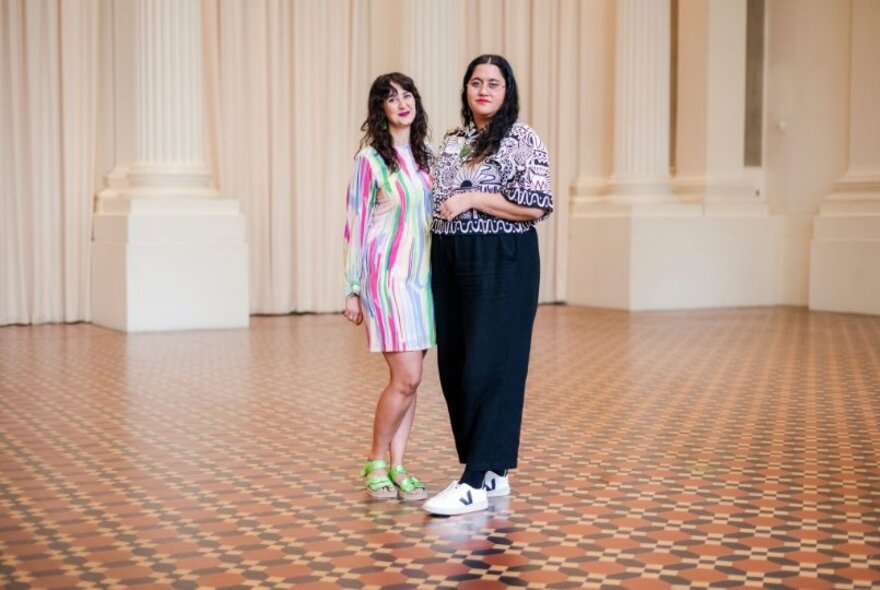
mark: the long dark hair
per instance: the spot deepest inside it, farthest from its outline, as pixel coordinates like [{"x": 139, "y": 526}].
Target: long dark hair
[
  {"x": 490, "y": 138},
  {"x": 375, "y": 128}
]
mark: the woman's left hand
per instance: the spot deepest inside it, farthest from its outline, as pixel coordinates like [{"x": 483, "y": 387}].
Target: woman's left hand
[
  {"x": 353, "y": 311},
  {"x": 455, "y": 206}
]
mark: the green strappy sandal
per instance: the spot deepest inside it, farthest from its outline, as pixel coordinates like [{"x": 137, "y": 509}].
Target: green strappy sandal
[
  {"x": 409, "y": 488},
  {"x": 377, "y": 486}
]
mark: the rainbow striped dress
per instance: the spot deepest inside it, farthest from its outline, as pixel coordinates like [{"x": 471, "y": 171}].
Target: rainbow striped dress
[{"x": 387, "y": 250}]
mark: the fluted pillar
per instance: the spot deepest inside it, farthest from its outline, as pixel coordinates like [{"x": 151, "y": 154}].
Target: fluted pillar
[
  {"x": 166, "y": 124},
  {"x": 638, "y": 244},
  {"x": 168, "y": 95},
  {"x": 858, "y": 190},
  {"x": 641, "y": 103},
  {"x": 845, "y": 250},
  {"x": 168, "y": 253},
  {"x": 596, "y": 79}
]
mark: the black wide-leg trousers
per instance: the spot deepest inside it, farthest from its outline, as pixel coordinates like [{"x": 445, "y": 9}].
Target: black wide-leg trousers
[{"x": 485, "y": 297}]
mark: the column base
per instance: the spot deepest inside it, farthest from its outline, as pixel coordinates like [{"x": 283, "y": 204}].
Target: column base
[
  {"x": 674, "y": 261},
  {"x": 844, "y": 269},
  {"x": 169, "y": 265},
  {"x": 736, "y": 196},
  {"x": 645, "y": 205},
  {"x": 853, "y": 195}
]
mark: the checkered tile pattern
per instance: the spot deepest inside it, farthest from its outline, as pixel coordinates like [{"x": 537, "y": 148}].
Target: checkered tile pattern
[{"x": 705, "y": 449}]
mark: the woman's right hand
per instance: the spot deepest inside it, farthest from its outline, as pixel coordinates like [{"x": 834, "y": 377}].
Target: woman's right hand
[
  {"x": 353, "y": 311},
  {"x": 455, "y": 205}
]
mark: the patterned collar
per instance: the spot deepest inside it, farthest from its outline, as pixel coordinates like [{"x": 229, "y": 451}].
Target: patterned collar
[{"x": 469, "y": 134}]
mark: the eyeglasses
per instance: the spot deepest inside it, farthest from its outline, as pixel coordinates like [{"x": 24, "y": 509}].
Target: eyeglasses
[{"x": 492, "y": 85}]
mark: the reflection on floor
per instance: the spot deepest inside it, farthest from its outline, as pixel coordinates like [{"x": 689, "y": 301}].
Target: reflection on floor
[{"x": 705, "y": 449}]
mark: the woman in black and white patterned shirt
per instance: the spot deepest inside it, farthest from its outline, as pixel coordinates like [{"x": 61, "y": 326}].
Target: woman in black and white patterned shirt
[{"x": 491, "y": 185}]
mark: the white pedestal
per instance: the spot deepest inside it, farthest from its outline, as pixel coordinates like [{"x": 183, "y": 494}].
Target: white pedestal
[
  {"x": 845, "y": 261},
  {"x": 169, "y": 264},
  {"x": 845, "y": 264},
  {"x": 674, "y": 262}
]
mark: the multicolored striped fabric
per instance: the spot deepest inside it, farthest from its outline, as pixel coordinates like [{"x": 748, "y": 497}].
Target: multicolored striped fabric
[{"x": 387, "y": 251}]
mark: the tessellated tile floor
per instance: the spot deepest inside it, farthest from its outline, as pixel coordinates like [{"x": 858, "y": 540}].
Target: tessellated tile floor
[{"x": 702, "y": 449}]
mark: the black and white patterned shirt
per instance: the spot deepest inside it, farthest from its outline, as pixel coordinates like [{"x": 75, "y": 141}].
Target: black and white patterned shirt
[{"x": 519, "y": 170}]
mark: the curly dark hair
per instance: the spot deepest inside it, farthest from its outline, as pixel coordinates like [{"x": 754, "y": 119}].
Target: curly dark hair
[
  {"x": 375, "y": 127},
  {"x": 490, "y": 137}
]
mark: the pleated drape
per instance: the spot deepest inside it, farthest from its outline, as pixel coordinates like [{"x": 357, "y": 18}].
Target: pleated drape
[
  {"x": 285, "y": 88},
  {"x": 287, "y": 85},
  {"x": 48, "y": 89},
  {"x": 279, "y": 87}
]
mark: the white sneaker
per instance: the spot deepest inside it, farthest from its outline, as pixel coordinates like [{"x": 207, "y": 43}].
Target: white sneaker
[
  {"x": 458, "y": 498},
  {"x": 496, "y": 485}
]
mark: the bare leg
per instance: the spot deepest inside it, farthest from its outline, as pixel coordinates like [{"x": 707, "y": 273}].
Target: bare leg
[
  {"x": 398, "y": 443},
  {"x": 397, "y": 398},
  {"x": 401, "y": 437}
]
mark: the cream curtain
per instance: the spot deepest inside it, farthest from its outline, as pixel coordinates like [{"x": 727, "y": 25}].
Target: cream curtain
[
  {"x": 48, "y": 89},
  {"x": 287, "y": 84},
  {"x": 279, "y": 86},
  {"x": 285, "y": 89}
]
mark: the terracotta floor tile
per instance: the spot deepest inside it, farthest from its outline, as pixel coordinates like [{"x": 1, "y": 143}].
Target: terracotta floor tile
[
  {"x": 190, "y": 564},
  {"x": 702, "y": 574},
  {"x": 290, "y": 570},
  {"x": 482, "y": 585},
  {"x": 220, "y": 580},
  {"x": 731, "y": 448},
  {"x": 543, "y": 576},
  {"x": 808, "y": 583},
  {"x": 709, "y": 549},
  {"x": 39, "y": 565},
  {"x": 506, "y": 560},
  {"x": 602, "y": 567},
  {"x": 861, "y": 574},
  {"x": 64, "y": 581},
  {"x": 128, "y": 572},
  {"x": 618, "y": 543},
  {"x": 645, "y": 584},
  {"x": 657, "y": 558},
  {"x": 384, "y": 578},
  {"x": 561, "y": 551}
]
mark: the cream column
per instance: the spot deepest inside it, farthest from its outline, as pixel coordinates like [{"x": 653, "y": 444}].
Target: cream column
[
  {"x": 168, "y": 93},
  {"x": 597, "y": 265},
  {"x": 711, "y": 107},
  {"x": 639, "y": 245},
  {"x": 844, "y": 268},
  {"x": 595, "y": 150},
  {"x": 857, "y": 192},
  {"x": 167, "y": 252},
  {"x": 641, "y": 102}
]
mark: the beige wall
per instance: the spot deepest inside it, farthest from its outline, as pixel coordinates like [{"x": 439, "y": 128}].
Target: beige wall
[
  {"x": 285, "y": 90},
  {"x": 805, "y": 130},
  {"x": 807, "y": 97}
]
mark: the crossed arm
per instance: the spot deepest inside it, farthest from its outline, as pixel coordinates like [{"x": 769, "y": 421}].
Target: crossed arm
[{"x": 492, "y": 204}]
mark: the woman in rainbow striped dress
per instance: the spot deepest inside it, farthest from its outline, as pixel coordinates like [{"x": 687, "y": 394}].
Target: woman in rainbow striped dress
[{"x": 387, "y": 268}]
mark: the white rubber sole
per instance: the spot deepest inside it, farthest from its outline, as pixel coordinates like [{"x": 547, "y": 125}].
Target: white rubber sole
[
  {"x": 456, "y": 510},
  {"x": 498, "y": 493}
]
